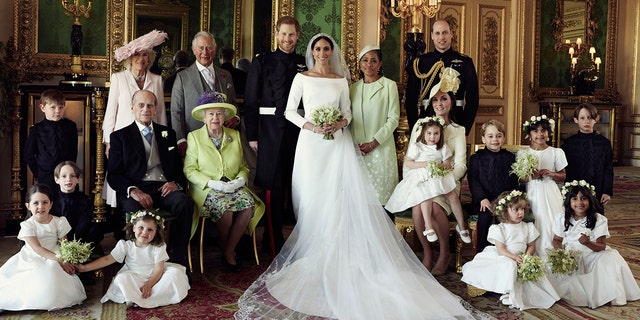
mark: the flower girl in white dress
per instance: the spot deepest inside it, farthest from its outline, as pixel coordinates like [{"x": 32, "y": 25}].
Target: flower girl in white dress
[
  {"x": 542, "y": 191},
  {"x": 34, "y": 278},
  {"x": 429, "y": 176},
  {"x": 146, "y": 279},
  {"x": 602, "y": 276},
  {"x": 495, "y": 269}
]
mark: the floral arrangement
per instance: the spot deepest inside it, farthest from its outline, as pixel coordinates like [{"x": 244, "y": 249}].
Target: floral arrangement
[
  {"x": 575, "y": 183},
  {"x": 530, "y": 269},
  {"x": 73, "y": 251},
  {"x": 140, "y": 214},
  {"x": 562, "y": 261},
  {"x": 436, "y": 170},
  {"x": 525, "y": 165},
  {"x": 502, "y": 203},
  {"x": 427, "y": 120},
  {"x": 164, "y": 134},
  {"x": 533, "y": 122},
  {"x": 326, "y": 115}
]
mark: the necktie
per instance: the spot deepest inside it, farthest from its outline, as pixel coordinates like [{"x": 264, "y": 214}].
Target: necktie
[
  {"x": 146, "y": 132},
  {"x": 208, "y": 77}
]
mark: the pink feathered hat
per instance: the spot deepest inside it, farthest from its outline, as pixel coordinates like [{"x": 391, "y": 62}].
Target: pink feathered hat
[{"x": 145, "y": 42}]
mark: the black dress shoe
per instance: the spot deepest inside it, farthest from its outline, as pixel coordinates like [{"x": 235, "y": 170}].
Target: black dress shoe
[{"x": 235, "y": 268}]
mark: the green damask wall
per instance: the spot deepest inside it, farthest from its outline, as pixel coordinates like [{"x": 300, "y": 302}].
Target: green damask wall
[
  {"x": 554, "y": 66},
  {"x": 221, "y": 22},
  {"x": 194, "y": 21},
  {"x": 317, "y": 16},
  {"x": 54, "y": 29},
  {"x": 391, "y": 49}
]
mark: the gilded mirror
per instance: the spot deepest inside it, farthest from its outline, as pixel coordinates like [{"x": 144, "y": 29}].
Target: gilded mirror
[
  {"x": 552, "y": 65},
  {"x": 574, "y": 19},
  {"x": 37, "y": 65}
]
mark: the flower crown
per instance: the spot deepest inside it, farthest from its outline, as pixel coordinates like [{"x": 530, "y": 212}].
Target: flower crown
[
  {"x": 435, "y": 119},
  {"x": 575, "y": 183},
  {"x": 534, "y": 121},
  {"x": 502, "y": 203},
  {"x": 142, "y": 213}
]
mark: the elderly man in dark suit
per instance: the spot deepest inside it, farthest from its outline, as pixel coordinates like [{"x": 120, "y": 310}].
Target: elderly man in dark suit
[
  {"x": 192, "y": 82},
  {"x": 145, "y": 169}
]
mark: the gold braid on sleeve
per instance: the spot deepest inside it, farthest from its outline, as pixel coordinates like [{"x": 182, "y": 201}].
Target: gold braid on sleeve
[{"x": 424, "y": 85}]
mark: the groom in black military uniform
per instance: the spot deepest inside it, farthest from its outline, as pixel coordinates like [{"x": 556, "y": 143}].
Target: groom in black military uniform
[
  {"x": 268, "y": 132},
  {"x": 424, "y": 72}
]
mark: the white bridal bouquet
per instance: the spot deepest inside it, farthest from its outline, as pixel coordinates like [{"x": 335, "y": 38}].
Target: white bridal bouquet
[
  {"x": 326, "y": 115},
  {"x": 530, "y": 269},
  {"x": 437, "y": 171},
  {"x": 525, "y": 166},
  {"x": 73, "y": 251},
  {"x": 562, "y": 261}
]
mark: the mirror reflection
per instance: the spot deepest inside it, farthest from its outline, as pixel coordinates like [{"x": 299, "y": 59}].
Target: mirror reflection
[
  {"x": 574, "y": 15},
  {"x": 574, "y": 19}
]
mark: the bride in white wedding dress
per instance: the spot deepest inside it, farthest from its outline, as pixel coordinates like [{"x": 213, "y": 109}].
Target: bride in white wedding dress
[{"x": 344, "y": 259}]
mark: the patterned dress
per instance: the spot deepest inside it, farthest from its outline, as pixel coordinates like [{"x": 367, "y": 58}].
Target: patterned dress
[{"x": 376, "y": 110}]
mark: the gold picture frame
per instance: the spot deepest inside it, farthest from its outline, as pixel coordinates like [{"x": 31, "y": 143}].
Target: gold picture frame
[{"x": 610, "y": 91}]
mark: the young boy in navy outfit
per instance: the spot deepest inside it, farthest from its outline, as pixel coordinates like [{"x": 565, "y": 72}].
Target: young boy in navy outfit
[
  {"x": 489, "y": 176},
  {"x": 52, "y": 140},
  {"x": 589, "y": 154},
  {"x": 77, "y": 207}
]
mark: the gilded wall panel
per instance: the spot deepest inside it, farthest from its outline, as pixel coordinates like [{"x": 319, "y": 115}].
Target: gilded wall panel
[
  {"x": 454, "y": 13},
  {"x": 491, "y": 40},
  {"x": 490, "y": 110}
]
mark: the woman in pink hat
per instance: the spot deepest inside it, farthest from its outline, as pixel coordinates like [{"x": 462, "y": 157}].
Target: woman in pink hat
[{"x": 137, "y": 57}]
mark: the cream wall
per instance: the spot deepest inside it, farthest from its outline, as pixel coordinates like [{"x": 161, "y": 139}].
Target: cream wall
[{"x": 627, "y": 78}]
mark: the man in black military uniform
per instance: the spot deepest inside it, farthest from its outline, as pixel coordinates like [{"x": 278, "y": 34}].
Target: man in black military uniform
[
  {"x": 421, "y": 78},
  {"x": 269, "y": 133}
]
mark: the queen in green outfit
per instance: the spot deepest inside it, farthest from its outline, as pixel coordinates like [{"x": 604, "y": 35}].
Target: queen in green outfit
[
  {"x": 376, "y": 109},
  {"x": 217, "y": 174}
]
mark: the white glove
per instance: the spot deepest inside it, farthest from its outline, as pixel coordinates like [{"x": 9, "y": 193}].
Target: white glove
[
  {"x": 217, "y": 185},
  {"x": 236, "y": 183}
]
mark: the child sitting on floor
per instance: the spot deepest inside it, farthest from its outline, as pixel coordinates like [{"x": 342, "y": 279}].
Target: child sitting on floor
[
  {"x": 496, "y": 268},
  {"x": 146, "y": 279},
  {"x": 602, "y": 276}
]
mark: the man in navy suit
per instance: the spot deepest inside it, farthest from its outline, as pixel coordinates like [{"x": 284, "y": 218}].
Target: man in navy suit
[{"x": 145, "y": 170}]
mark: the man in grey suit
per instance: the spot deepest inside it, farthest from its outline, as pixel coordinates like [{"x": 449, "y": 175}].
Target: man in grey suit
[{"x": 192, "y": 82}]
